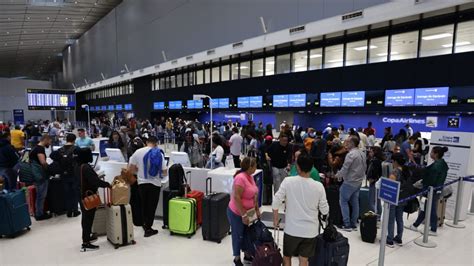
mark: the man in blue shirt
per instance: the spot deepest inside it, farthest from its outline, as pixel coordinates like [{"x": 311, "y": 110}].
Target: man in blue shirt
[
  {"x": 405, "y": 149},
  {"x": 83, "y": 141}
]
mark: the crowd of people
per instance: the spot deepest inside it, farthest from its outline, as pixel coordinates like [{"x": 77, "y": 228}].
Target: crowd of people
[{"x": 298, "y": 163}]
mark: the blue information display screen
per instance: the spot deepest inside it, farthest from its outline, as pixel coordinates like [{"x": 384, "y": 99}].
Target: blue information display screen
[
  {"x": 92, "y": 108},
  {"x": 175, "y": 105},
  {"x": 194, "y": 104},
  {"x": 405, "y": 97},
  {"x": 330, "y": 99},
  {"x": 297, "y": 100},
  {"x": 256, "y": 102},
  {"x": 110, "y": 108},
  {"x": 223, "y": 103},
  {"x": 45, "y": 99},
  {"x": 280, "y": 100},
  {"x": 353, "y": 99},
  {"x": 118, "y": 107},
  {"x": 432, "y": 96},
  {"x": 128, "y": 107},
  {"x": 159, "y": 106},
  {"x": 103, "y": 108},
  {"x": 243, "y": 102},
  {"x": 215, "y": 103}
]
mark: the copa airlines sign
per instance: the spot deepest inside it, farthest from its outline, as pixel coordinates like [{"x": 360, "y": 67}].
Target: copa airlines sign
[{"x": 400, "y": 120}]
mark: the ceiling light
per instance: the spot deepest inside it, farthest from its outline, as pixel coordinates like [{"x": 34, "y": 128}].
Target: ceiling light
[
  {"x": 75, "y": 2},
  {"x": 449, "y": 45},
  {"x": 67, "y": 18},
  {"x": 270, "y": 63},
  {"x": 335, "y": 61},
  {"x": 37, "y": 42},
  {"x": 314, "y": 56},
  {"x": 27, "y": 17},
  {"x": 242, "y": 67},
  {"x": 47, "y": 18},
  {"x": 436, "y": 36},
  {"x": 296, "y": 66},
  {"x": 364, "y": 48},
  {"x": 42, "y": 31},
  {"x": 385, "y": 54},
  {"x": 83, "y": 18},
  {"x": 9, "y": 18},
  {"x": 59, "y": 31},
  {"x": 8, "y": 32}
]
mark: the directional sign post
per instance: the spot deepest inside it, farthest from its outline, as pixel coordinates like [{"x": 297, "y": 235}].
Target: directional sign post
[{"x": 389, "y": 193}]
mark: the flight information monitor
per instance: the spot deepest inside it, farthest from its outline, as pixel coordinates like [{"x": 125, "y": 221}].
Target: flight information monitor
[
  {"x": 223, "y": 103},
  {"x": 280, "y": 100},
  {"x": 432, "y": 96},
  {"x": 159, "y": 106},
  {"x": 175, "y": 105},
  {"x": 194, "y": 104},
  {"x": 243, "y": 102},
  {"x": 47, "y": 99},
  {"x": 128, "y": 107},
  {"x": 353, "y": 99},
  {"x": 110, "y": 108},
  {"x": 255, "y": 101},
  {"x": 330, "y": 99},
  {"x": 404, "y": 97},
  {"x": 118, "y": 107},
  {"x": 103, "y": 108},
  {"x": 297, "y": 100}
]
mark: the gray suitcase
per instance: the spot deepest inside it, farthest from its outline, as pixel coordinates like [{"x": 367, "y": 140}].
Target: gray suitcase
[
  {"x": 99, "y": 227},
  {"x": 120, "y": 225}
]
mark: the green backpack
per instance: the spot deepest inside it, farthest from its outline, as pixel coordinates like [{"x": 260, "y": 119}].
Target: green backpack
[{"x": 30, "y": 171}]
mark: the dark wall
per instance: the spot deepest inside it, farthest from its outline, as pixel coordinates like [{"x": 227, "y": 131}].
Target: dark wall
[{"x": 448, "y": 70}]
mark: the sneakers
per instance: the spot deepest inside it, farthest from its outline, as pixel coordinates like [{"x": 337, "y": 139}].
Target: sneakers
[
  {"x": 248, "y": 260},
  {"x": 93, "y": 238},
  {"x": 150, "y": 232},
  {"x": 390, "y": 244},
  {"x": 432, "y": 233},
  {"x": 346, "y": 228},
  {"x": 412, "y": 228},
  {"x": 398, "y": 242},
  {"x": 43, "y": 217},
  {"x": 73, "y": 214},
  {"x": 354, "y": 228},
  {"x": 238, "y": 262},
  {"x": 88, "y": 247}
]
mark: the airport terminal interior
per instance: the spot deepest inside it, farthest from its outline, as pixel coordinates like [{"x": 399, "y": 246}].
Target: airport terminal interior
[{"x": 227, "y": 132}]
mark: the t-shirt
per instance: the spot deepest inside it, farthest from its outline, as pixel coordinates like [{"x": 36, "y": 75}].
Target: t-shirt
[
  {"x": 85, "y": 142},
  {"x": 219, "y": 153},
  {"x": 304, "y": 199},
  {"x": 314, "y": 174},
  {"x": 34, "y": 153},
  {"x": 137, "y": 160},
  {"x": 235, "y": 144},
  {"x": 403, "y": 149},
  {"x": 17, "y": 137},
  {"x": 246, "y": 182},
  {"x": 279, "y": 155}
]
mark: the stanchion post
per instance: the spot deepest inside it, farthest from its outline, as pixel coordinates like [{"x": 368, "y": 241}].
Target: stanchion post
[
  {"x": 471, "y": 210},
  {"x": 383, "y": 241},
  {"x": 424, "y": 242},
  {"x": 457, "y": 208}
]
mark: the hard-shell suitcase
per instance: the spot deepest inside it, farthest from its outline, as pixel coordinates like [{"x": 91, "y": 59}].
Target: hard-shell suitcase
[
  {"x": 120, "y": 225},
  {"x": 167, "y": 196},
  {"x": 330, "y": 253},
  {"x": 182, "y": 216},
  {"x": 55, "y": 196},
  {"x": 198, "y": 196},
  {"x": 368, "y": 227},
  {"x": 215, "y": 225},
  {"x": 31, "y": 199},
  {"x": 332, "y": 195},
  {"x": 441, "y": 211},
  {"x": 364, "y": 206},
  {"x": 14, "y": 216},
  {"x": 99, "y": 226}
]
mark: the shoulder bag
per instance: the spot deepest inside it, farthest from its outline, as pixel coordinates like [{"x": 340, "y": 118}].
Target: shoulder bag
[{"x": 91, "y": 200}]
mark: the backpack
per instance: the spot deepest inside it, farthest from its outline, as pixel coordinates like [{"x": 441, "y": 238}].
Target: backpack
[
  {"x": 308, "y": 144},
  {"x": 177, "y": 178}
]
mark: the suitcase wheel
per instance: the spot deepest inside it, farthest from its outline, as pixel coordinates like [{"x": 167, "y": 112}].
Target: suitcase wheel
[
  {"x": 189, "y": 236},
  {"x": 229, "y": 233},
  {"x": 164, "y": 227},
  {"x": 218, "y": 241},
  {"x": 204, "y": 238},
  {"x": 171, "y": 233},
  {"x": 133, "y": 242},
  {"x": 116, "y": 246}
]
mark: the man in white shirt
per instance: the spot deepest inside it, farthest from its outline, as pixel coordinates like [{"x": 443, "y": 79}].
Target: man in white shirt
[
  {"x": 364, "y": 142},
  {"x": 304, "y": 199},
  {"x": 236, "y": 146},
  {"x": 150, "y": 166}
]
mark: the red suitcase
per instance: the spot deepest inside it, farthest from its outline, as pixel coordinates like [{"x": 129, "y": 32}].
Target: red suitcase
[
  {"x": 31, "y": 199},
  {"x": 198, "y": 196}
]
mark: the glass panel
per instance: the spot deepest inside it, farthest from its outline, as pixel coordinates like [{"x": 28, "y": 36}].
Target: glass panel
[
  {"x": 333, "y": 56},
  {"x": 404, "y": 45},
  {"x": 173, "y": 81},
  {"x": 185, "y": 79},
  {"x": 437, "y": 41},
  {"x": 225, "y": 73},
  {"x": 192, "y": 78},
  {"x": 283, "y": 64},
  {"x": 215, "y": 74},
  {"x": 207, "y": 75},
  {"x": 300, "y": 61},
  {"x": 465, "y": 37},
  {"x": 245, "y": 70},
  {"x": 257, "y": 67},
  {"x": 162, "y": 83},
  {"x": 269, "y": 66},
  {"x": 179, "y": 80},
  {"x": 235, "y": 71},
  {"x": 356, "y": 52},
  {"x": 199, "y": 77},
  {"x": 315, "y": 59},
  {"x": 380, "y": 52}
]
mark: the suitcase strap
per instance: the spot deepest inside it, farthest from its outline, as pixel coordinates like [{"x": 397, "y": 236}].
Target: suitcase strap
[{"x": 123, "y": 218}]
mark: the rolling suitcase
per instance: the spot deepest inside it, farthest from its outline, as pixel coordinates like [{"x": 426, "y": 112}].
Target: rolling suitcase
[
  {"x": 333, "y": 252},
  {"x": 14, "y": 216},
  {"x": 99, "y": 226},
  {"x": 182, "y": 216},
  {"x": 55, "y": 196},
  {"x": 215, "y": 225},
  {"x": 31, "y": 199},
  {"x": 363, "y": 201},
  {"x": 120, "y": 225},
  {"x": 167, "y": 196},
  {"x": 368, "y": 227},
  {"x": 198, "y": 196},
  {"x": 332, "y": 194},
  {"x": 441, "y": 211}
]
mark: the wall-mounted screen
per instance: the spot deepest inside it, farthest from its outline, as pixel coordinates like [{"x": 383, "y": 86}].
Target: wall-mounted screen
[
  {"x": 159, "y": 106},
  {"x": 194, "y": 104},
  {"x": 280, "y": 100},
  {"x": 103, "y": 108},
  {"x": 353, "y": 99},
  {"x": 432, "y": 96},
  {"x": 256, "y": 102},
  {"x": 330, "y": 99},
  {"x": 404, "y": 97},
  {"x": 215, "y": 103},
  {"x": 175, "y": 105},
  {"x": 110, "y": 108},
  {"x": 297, "y": 100},
  {"x": 223, "y": 103},
  {"x": 128, "y": 107},
  {"x": 118, "y": 107},
  {"x": 243, "y": 102},
  {"x": 92, "y": 108},
  {"x": 47, "y": 99}
]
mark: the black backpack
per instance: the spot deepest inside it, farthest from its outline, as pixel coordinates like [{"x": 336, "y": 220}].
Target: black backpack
[
  {"x": 67, "y": 160},
  {"x": 177, "y": 178}
]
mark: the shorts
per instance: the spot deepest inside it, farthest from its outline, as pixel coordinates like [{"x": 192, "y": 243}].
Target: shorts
[{"x": 294, "y": 246}]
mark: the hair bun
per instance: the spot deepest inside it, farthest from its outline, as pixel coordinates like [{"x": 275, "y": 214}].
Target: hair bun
[{"x": 445, "y": 149}]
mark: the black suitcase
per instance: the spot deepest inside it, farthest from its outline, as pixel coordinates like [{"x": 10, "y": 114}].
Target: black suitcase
[
  {"x": 330, "y": 253},
  {"x": 167, "y": 195},
  {"x": 215, "y": 225},
  {"x": 135, "y": 204},
  {"x": 332, "y": 195},
  {"x": 368, "y": 227},
  {"x": 267, "y": 194},
  {"x": 55, "y": 196}
]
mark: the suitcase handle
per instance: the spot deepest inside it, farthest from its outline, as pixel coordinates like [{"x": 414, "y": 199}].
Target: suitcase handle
[
  {"x": 276, "y": 234},
  {"x": 107, "y": 197},
  {"x": 208, "y": 185}
]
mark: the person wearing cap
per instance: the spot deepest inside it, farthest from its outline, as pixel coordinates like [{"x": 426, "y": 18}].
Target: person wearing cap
[{"x": 84, "y": 141}]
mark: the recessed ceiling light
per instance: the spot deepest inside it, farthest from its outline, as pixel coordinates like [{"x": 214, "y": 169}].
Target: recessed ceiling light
[
  {"x": 8, "y": 32},
  {"x": 42, "y": 31},
  {"x": 449, "y": 45},
  {"x": 75, "y": 2},
  {"x": 9, "y": 18},
  {"x": 436, "y": 36},
  {"x": 27, "y": 17},
  {"x": 67, "y": 18},
  {"x": 53, "y": 41},
  {"x": 95, "y": 3},
  {"x": 83, "y": 18},
  {"x": 37, "y": 42},
  {"x": 364, "y": 48},
  {"x": 47, "y": 18}
]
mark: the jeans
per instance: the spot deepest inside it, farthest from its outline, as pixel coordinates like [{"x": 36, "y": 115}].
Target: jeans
[
  {"x": 278, "y": 175},
  {"x": 375, "y": 207},
  {"x": 396, "y": 214},
  {"x": 237, "y": 228},
  {"x": 149, "y": 197},
  {"x": 41, "y": 191},
  {"x": 215, "y": 164},
  {"x": 87, "y": 220},
  {"x": 434, "y": 214},
  {"x": 71, "y": 195},
  {"x": 236, "y": 161},
  {"x": 349, "y": 194}
]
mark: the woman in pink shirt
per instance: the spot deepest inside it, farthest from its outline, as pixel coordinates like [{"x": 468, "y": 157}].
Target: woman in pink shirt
[{"x": 244, "y": 198}]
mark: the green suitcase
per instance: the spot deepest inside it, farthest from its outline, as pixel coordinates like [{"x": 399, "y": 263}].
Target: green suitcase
[{"x": 182, "y": 216}]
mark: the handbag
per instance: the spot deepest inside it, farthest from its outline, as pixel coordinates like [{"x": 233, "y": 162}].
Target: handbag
[{"x": 91, "y": 200}]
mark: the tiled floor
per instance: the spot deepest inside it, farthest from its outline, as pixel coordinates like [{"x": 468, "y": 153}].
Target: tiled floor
[{"x": 57, "y": 241}]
